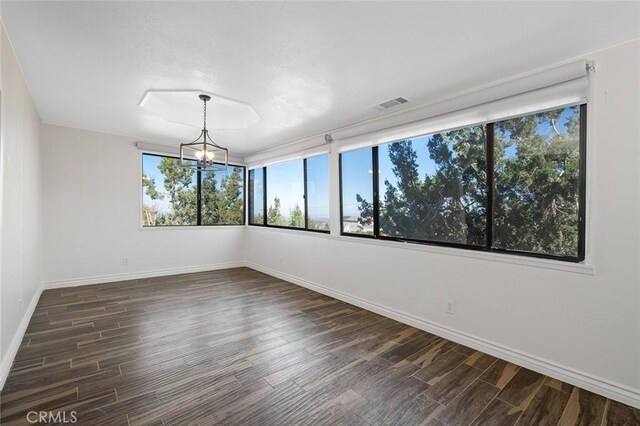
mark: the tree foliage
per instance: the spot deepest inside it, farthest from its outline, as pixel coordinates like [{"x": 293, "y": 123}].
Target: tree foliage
[
  {"x": 536, "y": 201},
  {"x": 536, "y": 186},
  {"x": 150, "y": 212},
  {"x": 222, "y": 196},
  {"x": 223, "y": 203},
  {"x": 275, "y": 217},
  {"x": 181, "y": 192}
]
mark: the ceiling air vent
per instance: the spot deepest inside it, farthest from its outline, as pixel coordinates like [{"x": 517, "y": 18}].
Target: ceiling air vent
[{"x": 392, "y": 102}]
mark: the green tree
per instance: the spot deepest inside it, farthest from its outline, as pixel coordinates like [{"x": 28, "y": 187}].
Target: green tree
[
  {"x": 297, "y": 217},
  {"x": 178, "y": 184},
  {"x": 150, "y": 212},
  {"x": 274, "y": 216},
  {"x": 536, "y": 186},
  {"x": 223, "y": 203},
  {"x": 233, "y": 197},
  {"x": 447, "y": 205}
]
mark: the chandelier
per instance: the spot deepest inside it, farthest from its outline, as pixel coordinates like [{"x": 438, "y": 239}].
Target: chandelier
[{"x": 204, "y": 154}]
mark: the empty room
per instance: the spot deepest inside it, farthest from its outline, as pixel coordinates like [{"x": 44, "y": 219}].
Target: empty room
[{"x": 319, "y": 213}]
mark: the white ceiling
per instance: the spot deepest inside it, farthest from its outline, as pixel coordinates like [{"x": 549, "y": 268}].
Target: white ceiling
[{"x": 306, "y": 68}]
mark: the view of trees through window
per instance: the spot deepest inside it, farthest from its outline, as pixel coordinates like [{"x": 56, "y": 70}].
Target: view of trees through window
[
  {"x": 297, "y": 194},
  {"x": 223, "y": 196},
  {"x": 537, "y": 182},
  {"x": 285, "y": 194},
  {"x": 170, "y": 194},
  {"x": 434, "y": 188}
]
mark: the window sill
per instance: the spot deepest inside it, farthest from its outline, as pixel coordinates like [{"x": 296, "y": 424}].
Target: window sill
[{"x": 557, "y": 265}]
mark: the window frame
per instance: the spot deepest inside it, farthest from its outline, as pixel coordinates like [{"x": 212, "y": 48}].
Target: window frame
[
  {"x": 198, "y": 196},
  {"x": 305, "y": 198},
  {"x": 490, "y": 182}
]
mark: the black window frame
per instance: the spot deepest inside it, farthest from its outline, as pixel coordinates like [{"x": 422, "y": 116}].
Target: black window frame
[
  {"x": 199, "y": 196},
  {"x": 490, "y": 165},
  {"x": 306, "y": 213}
]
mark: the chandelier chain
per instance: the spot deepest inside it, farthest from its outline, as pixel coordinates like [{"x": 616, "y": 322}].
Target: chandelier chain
[{"x": 205, "y": 114}]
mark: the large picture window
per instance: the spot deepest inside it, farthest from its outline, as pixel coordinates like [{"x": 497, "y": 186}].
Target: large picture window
[
  {"x": 174, "y": 196},
  {"x": 513, "y": 186},
  {"x": 292, "y": 194}
]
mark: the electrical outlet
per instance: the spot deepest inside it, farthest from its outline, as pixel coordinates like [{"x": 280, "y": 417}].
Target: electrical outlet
[
  {"x": 451, "y": 306},
  {"x": 125, "y": 261}
]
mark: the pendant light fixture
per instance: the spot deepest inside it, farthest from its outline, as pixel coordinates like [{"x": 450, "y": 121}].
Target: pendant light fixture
[{"x": 204, "y": 154}]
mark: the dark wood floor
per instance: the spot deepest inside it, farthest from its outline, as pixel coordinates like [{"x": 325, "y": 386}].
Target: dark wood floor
[{"x": 240, "y": 347}]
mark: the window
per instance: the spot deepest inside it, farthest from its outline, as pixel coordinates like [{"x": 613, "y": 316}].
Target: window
[
  {"x": 170, "y": 196},
  {"x": 295, "y": 194},
  {"x": 256, "y": 197},
  {"x": 317, "y": 192},
  {"x": 223, "y": 196},
  {"x": 515, "y": 185},
  {"x": 536, "y": 204},
  {"x": 174, "y": 196},
  {"x": 433, "y": 188},
  {"x": 356, "y": 176},
  {"x": 285, "y": 194}
]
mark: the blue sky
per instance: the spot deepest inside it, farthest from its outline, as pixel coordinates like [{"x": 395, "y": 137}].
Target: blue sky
[
  {"x": 318, "y": 187},
  {"x": 286, "y": 181}
]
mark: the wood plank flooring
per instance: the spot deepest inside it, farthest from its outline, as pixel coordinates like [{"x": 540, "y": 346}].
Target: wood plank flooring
[{"x": 238, "y": 347}]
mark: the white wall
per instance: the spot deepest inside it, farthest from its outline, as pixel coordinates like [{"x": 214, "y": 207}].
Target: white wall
[
  {"x": 581, "y": 324},
  {"x": 91, "y": 216},
  {"x": 20, "y": 201}
]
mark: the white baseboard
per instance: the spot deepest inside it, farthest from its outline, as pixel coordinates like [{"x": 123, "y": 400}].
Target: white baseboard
[
  {"x": 99, "y": 279},
  {"x": 613, "y": 390},
  {"x": 7, "y": 362}
]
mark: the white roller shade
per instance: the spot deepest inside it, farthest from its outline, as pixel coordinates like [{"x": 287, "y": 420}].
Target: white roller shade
[
  {"x": 557, "y": 87},
  {"x": 280, "y": 158}
]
